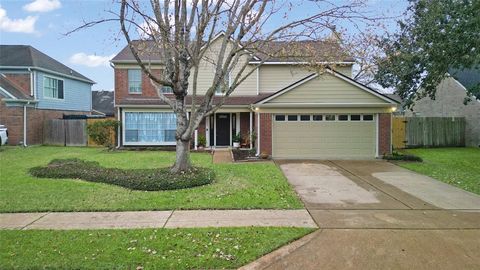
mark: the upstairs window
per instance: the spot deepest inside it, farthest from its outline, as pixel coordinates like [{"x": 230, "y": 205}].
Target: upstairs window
[
  {"x": 134, "y": 81},
  {"x": 167, "y": 90},
  {"x": 52, "y": 88}
]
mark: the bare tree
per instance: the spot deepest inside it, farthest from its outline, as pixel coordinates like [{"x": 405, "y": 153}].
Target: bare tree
[{"x": 183, "y": 30}]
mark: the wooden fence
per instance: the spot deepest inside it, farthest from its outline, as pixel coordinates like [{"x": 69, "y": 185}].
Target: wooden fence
[
  {"x": 69, "y": 132},
  {"x": 411, "y": 132}
]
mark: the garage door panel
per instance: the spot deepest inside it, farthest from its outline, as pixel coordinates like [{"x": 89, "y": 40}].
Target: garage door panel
[{"x": 323, "y": 140}]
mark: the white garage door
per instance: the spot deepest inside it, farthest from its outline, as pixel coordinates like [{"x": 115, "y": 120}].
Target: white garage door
[{"x": 324, "y": 136}]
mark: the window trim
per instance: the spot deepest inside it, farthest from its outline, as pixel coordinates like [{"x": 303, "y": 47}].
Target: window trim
[
  {"x": 143, "y": 143},
  {"x": 128, "y": 82},
  {"x": 55, "y": 78}
]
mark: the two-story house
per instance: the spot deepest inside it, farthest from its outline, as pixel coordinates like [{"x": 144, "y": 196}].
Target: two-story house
[
  {"x": 294, "y": 112},
  {"x": 35, "y": 87}
]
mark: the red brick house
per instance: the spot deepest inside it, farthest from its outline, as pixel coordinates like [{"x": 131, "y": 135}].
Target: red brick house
[{"x": 293, "y": 112}]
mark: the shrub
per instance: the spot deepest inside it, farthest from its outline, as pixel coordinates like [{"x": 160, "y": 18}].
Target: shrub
[
  {"x": 400, "y": 156},
  {"x": 101, "y": 132},
  {"x": 136, "y": 179},
  {"x": 202, "y": 140}
]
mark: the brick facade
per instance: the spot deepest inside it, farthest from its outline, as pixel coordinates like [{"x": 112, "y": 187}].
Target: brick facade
[
  {"x": 21, "y": 80},
  {"x": 121, "y": 85},
  {"x": 384, "y": 133},
  {"x": 12, "y": 118},
  {"x": 265, "y": 133}
]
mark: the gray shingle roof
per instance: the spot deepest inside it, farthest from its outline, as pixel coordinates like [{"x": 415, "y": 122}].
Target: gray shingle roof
[
  {"x": 13, "y": 89},
  {"x": 28, "y": 56},
  {"x": 467, "y": 77},
  {"x": 278, "y": 51}
]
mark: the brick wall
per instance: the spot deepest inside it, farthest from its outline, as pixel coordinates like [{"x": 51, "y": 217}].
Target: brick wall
[
  {"x": 12, "y": 118},
  {"x": 121, "y": 85},
  {"x": 22, "y": 80},
  {"x": 384, "y": 133},
  {"x": 266, "y": 133}
]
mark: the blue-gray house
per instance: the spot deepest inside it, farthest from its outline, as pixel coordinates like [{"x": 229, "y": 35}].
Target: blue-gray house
[{"x": 35, "y": 87}]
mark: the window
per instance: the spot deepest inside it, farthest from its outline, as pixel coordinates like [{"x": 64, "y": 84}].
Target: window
[
  {"x": 305, "y": 117},
  {"x": 317, "y": 117},
  {"x": 368, "y": 117},
  {"x": 292, "y": 117},
  {"x": 343, "y": 117},
  {"x": 167, "y": 89},
  {"x": 330, "y": 117},
  {"x": 135, "y": 81},
  {"x": 150, "y": 127},
  {"x": 279, "y": 117},
  {"x": 52, "y": 88},
  {"x": 355, "y": 117}
]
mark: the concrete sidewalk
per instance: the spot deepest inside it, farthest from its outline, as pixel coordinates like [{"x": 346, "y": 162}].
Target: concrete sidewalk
[{"x": 156, "y": 219}]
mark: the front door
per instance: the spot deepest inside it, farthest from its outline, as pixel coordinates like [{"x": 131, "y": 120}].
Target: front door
[{"x": 223, "y": 129}]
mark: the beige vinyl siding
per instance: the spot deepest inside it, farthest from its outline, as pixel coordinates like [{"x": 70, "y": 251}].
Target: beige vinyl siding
[
  {"x": 276, "y": 77},
  {"x": 345, "y": 70},
  {"x": 327, "y": 88},
  {"x": 206, "y": 73},
  {"x": 324, "y": 140}
]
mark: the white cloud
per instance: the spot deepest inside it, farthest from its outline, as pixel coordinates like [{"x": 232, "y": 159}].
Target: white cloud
[
  {"x": 42, "y": 5},
  {"x": 26, "y": 25},
  {"x": 90, "y": 60}
]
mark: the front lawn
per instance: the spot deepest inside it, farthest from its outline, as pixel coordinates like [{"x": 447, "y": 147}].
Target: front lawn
[
  {"x": 456, "y": 166},
  {"x": 211, "y": 248},
  {"x": 236, "y": 186}
]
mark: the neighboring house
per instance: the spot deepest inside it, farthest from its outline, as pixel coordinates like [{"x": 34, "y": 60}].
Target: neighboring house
[
  {"x": 35, "y": 87},
  {"x": 102, "y": 103},
  {"x": 294, "y": 113},
  {"x": 449, "y": 102}
]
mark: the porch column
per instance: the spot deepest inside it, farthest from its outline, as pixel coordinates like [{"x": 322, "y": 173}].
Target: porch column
[
  {"x": 250, "y": 130},
  {"x": 196, "y": 139},
  {"x": 258, "y": 134},
  {"x": 215, "y": 130}
]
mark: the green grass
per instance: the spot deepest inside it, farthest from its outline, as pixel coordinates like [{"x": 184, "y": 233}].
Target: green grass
[
  {"x": 149, "y": 248},
  {"x": 236, "y": 186},
  {"x": 456, "y": 166}
]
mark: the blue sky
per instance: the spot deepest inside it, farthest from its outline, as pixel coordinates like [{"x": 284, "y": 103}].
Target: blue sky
[{"x": 42, "y": 24}]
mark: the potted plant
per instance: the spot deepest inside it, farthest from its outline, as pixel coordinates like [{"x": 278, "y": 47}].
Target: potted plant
[
  {"x": 236, "y": 140},
  {"x": 202, "y": 141}
]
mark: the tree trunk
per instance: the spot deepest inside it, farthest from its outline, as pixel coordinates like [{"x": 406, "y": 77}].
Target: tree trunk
[{"x": 182, "y": 160}]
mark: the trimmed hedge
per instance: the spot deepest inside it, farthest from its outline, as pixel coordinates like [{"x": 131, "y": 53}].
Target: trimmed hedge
[
  {"x": 136, "y": 179},
  {"x": 399, "y": 156}
]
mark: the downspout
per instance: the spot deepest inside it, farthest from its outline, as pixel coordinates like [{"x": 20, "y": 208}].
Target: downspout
[{"x": 119, "y": 128}]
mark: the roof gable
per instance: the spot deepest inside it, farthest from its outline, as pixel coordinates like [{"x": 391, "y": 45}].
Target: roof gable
[
  {"x": 328, "y": 88},
  {"x": 18, "y": 56}
]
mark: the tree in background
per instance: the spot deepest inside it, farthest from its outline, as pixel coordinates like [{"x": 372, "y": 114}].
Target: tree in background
[{"x": 438, "y": 37}]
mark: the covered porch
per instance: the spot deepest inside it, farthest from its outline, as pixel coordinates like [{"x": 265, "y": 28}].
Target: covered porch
[{"x": 219, "y": 129}]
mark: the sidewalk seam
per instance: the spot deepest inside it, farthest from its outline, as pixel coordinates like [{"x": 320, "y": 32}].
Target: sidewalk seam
[
  {"x": 42, "y": 216},
  {"x": 168, "y": 219}
]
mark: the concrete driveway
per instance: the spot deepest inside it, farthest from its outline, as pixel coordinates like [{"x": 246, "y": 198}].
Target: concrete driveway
[{"x": 376, "y": 215}]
